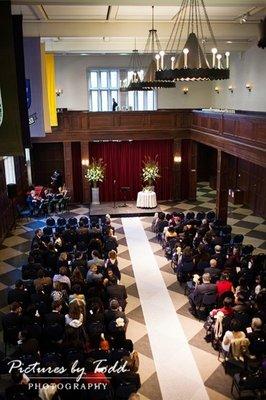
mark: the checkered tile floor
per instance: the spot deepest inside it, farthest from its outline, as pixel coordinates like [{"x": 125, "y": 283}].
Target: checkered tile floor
[{"x": 14, "y": 252}]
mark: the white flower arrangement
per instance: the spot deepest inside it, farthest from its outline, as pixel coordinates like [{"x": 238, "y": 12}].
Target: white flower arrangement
[
  {"x": 96, "y": 171},
  {"x": 150, "y": 171}
]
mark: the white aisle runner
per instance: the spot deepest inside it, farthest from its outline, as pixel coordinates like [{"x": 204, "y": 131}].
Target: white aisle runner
[{"x": 177, "y": 371}]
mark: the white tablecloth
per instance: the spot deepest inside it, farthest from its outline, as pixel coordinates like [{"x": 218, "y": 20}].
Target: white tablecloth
[{"x": 146, "y": 200}]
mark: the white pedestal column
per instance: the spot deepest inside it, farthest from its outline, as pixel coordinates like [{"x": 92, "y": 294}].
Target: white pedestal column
[{"x": 95, "y": 195}]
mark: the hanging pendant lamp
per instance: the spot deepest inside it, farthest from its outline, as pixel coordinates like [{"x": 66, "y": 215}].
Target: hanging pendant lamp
[{"x": 192, "y": 62}]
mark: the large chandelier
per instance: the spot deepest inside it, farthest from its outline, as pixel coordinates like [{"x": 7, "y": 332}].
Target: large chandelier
[
  {"x": 136, "y": 73},
  {"x": 191, "y": 62},
  {"x": 149, "y": 81}
]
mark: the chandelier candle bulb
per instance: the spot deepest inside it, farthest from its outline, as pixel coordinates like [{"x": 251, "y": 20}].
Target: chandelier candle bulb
[
  {"x": 172, "y": 62},
  {"x": 157, "y": 58},
  {"x": 227, "y": 54},
  {"x": 185, "y": 51},
  {"x": 214, "y": 51},
  {"x": 219, "y": 56},
  {"x": 162, "y": 53}
]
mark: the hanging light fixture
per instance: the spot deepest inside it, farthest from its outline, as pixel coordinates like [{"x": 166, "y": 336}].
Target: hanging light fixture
[
  {"x": 135, "y": 72},
  {"x": 152, "y": 47},
  {"x": 191, "y": 63}
]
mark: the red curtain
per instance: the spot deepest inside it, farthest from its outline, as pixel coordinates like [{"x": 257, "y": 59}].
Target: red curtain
[{"x": 124, "y": 165}]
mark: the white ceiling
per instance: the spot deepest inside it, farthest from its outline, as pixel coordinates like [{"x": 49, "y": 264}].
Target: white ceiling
[{"x": 78, "y": 27}]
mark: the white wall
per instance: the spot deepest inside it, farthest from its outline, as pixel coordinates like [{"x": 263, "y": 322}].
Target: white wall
[
  {"x": 248, "y": 67},
  {"x": 198, "y": 96},
  {"x": 71, "y": 77}
]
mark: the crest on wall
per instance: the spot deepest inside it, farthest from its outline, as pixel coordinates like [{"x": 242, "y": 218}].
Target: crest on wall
[
  {"x": 1, "y": 109},
  {"x": 28, "y": 93}
]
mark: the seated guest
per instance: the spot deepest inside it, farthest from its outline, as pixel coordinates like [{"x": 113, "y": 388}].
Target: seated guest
[
  {"x": 20, "y": 388},
  {"x": 37, "y": 254},
  {"x": 161, "y": 223},
  {"x": 37, "y": 239},
  {"x": 77, "y": 294},
  {"x": 19, "y": 294},
  {"x": 77, "y": 278},
  {"x": 218, "y": 256},
  {"x": 127, "y": 382},
  {"x": 93, "y": 276},
  {"x": 96, "y": 259},
  {"x": 213, "y": 270},
  {"x": 62, "y": 277},
  {"x": 12, "y": 323},
  {"x": 82, "y": 233},
  {"x": 112, "y": 263},
  {"x": 196, "y": 296},
  {"x": 114, "y": 312},
  {"x": 30, "y": 270},
  {"x": 118, "y": 292},
  {"x": 170, "y": 233},
  {"x": 110, "y": 243},
  {"x": 55, "y": 315},
  {"x": 51, "y": 257},
  {"x": 79, "y": 260},
  {"x": 232, "y": 334},
  {"x": 74, "y": 318},
  {"x": 42, "y": 280},
  {"x": 27, "y": 345},
  {"x": 227, "y": 308},
  {"x": 62, "y": 260},
  {"x": 224, "y": 285},
  {"x": 257, "y": 338},
  {"x": 201, "y": 259}
]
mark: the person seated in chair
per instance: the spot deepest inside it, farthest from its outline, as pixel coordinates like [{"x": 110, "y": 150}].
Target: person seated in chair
[
  {"x": 232, "y": 334},
  {"x": 30, "y": 270},
  {"x": 62, "y": 277},
  {"x": 19, "y": 294},
  {"x": 196, "y": 295},
  {"x": 117, "y": 291},
  {"x": 12, "y": 323},
  {"x": 213, "y": 270},
  {"x": 257, "y": 338},
  {"x": 93, "y": 276}
]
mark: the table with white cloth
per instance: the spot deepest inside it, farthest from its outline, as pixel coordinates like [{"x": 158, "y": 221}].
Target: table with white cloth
[{"x": 146, "y": 199}]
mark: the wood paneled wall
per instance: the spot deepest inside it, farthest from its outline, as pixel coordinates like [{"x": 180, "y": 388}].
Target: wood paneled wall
[{"x": 45, "y": 159}]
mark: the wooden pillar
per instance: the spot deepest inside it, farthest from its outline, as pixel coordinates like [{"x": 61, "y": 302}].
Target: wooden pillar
[
  {"x": 176, "y": 192},
  {"x": 222, "y": 186},
  {"x": 68, "y": 170},
  {"x": 85, "y": 163},
  {"x": 188, "y": 169}
]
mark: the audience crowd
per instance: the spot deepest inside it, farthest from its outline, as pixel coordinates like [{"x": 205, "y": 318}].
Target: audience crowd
[
  {"x": 67, "y": 314},
  {"x": 226, "y": 287}
]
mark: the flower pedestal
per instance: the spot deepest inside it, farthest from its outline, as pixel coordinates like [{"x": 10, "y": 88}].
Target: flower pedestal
[{"x": 95, "y": 199}]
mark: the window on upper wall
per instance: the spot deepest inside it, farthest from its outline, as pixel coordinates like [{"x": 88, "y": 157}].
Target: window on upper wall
[
  {"x": 141, "y": 99},
  {"x": 103, "y": 86},
  {"x": 10, "y": 173}
]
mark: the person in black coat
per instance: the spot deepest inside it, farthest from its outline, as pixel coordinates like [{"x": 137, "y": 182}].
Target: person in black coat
[
  {"x": 19, "y": 294},
  {"x": 54, "y": 323},
  {"x": 118, "y": 292},
  {"x": 30, "y": 270},
  {"x": 12, "y": 323}
]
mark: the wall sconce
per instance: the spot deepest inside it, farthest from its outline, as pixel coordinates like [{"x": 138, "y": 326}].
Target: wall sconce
[
  {"x": 249, "y": 87},
  {"x": 85, "y": 163},
  {"x": 58, "y": 92},
  {"x": 217, "y": 90},
  {"x": 185, "y": 90},
  {"x": 177, "y": 159},
  {"x": 230, "y": 88}
]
